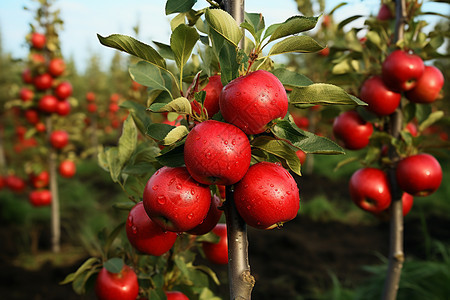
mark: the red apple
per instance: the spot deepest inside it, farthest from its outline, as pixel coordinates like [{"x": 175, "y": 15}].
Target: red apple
[
  {"x": 174, "y": 200},
  {"x": 412, "y": 128},
  {"x": 32, "y": 116},
  {"x": 175, "y": 295},
  {"x": 302, "y": 122},
  {"x": 326, "y": 21},
  {"x": 113, "y": 108},
  {"x": 15, "y": 183},
  {"x": 40, "y": 180},
  {"x": 26, "y": 94},
  {"x": 252, "y": 101},
  {"x": 267, "y": 196},
  {"x": 92, "y": 107},
  {"x": 419, "y": 175},
  {"x": 211, "y": 219},
  {"x": 381, "y": 100},
  {"x": 90, "y": 96},
  {"x": 63, "y": 108},
  {"x": 369, "y": 190},
  {"x": 56, "y": 67},
  {"x": 43, "y": 82},
  {"x": 324, "y": 52},
  {"x": 37, "y": 40},
  {"x": 384, "y": 13},
  {"x": 401, "y": 70},
  {"x": 40, "y": 127},
  {"x": 63, "y": 90},
  {"x": 407, "y": 203},
  {"x": 117, "y": 286},
  {"x": 40, "y": 197},
  {"x": 217, "y": 253},
  {"x": 114, "y": 98},
  {"x": 301, "y": 156},
  {"x": 67, "y": 168},
  {"x": 48, "y": 104},
  {"x": 211, "y": 103},
  {"x": 27, "y": 77},
  {"x": 59, "y": 139},
  {"x": 144, "y": 235},
  {"x": 217, "y": 153},
  {"x": 352, "y": 130},
  {"x": 37, "y": 59},
  {"x": 428, "y": 86}
]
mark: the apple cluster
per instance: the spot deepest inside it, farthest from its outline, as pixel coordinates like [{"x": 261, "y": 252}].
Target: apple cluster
[
  {"x": 218, "y": 154},
  {"x": 45, "y": 93},
  {"x": 420, "y": 174}
]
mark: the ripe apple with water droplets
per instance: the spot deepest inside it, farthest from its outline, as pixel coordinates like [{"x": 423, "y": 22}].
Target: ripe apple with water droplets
[
  {"x": 217, "y": 153},
  {"x": 175, "y": 295},
  {"x": 217, "y": 253},
  {"x": 250, "y": 102},
  {"x": 212, "y": 218},
  {"x": 114, "y": 286},
  {"x": 369, "y": 189},
  {"x": 211, "y": 103},
  {"x": 144, "y": 235},
  {"x": 174, "y": 200},
  {"x": 267, "y": 196}
]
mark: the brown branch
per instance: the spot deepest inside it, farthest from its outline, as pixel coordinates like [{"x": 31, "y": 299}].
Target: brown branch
[{"x": 396, "y": 254}]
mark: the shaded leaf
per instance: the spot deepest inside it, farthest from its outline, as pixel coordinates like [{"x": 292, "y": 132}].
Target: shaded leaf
[
  {"x": 177, "y": 6},
  {"x": 290, "y": 78},
  {"x": 88, "y": 264},
  {"x": 151, "y": 76},
  {"x": 164, "y": 50},
  {"x": 348, "y": 20},
  {"x": 159, "y": 131},
  {"x": 300, "y": 44},
  {"x": 227, "y": 56},
  {"x": 134, "y": 47},
  {"x": 114, "y": 265},
  {"x": 223, "y": 23},
  {"x": 127, "y": 141},
  {"x": 432, "y": 118},
  {"x": 139, "y": 114},
  {"x": 293, "y": 25},
  {"x": 173, "y": 157},
  {"x": 182, "y": 41}
]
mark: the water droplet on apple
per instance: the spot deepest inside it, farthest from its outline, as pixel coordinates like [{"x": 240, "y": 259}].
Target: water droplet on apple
[
  {"x": 190, "y": 216},
  {"x": 208, "y": 155},
  {"x": 265, "y": 192},
  {"x": 179, "y": 186},
  {"x": 197, "y": 138},
  {"x": 233, "y": 142},
  {"x": 134, "y": 229},
  {"x": 192, "y": 191},
  {"x": 171, "y": 181},
  {"x": 249, "y": 207},
  {"x": 245, "y": 186},
  {"x": 273, "y": 102},
  {"x": 161, "y": 200},
  {"x": 130, "y": 220},
  {"x": 205, "y": 141},
  {"x": 261, "y": 187},
  {"x": 225, "y": 142},
  {"x": 155, "y": 187},
  {"x": 276, "y": 94},
  {"x": 288, "y": 192},
  {"x": 271, "y": 185},
  {"x": 228, "y": 168}
]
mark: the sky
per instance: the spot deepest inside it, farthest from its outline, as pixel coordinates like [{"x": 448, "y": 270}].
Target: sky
[{"x": 84, "y": 19}]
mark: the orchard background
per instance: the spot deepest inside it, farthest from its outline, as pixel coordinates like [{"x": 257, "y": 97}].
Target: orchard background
[{"x": 331, "y": 250}]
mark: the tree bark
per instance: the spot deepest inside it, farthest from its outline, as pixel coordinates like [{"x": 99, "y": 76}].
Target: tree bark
[
  {"x": 55, "y": 213},
  {"x": 240, "y": 278},
  {"x": 396, "y": 254}
]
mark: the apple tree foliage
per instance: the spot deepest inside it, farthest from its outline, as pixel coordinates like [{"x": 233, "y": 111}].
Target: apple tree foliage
[{"x": 202, "y": 43}]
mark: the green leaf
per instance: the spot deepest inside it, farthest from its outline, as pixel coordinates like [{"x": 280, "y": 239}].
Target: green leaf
[
  {"x": 124, "y": 205},
  {"x": 114, "y": 265},
  {"x": 139, "y": 114},
  {"x": 141, "y": 168},
  {"x": 159, "y": 131},
  {"x": 110, "y": 239},
  {"x": 151, "y": 76},
  {"x": 280, "y": 149},
  {"x": 223, "y": 23},
  {"x": 177, "y": 6},
  {"x": 164, "y": 50},
  {"x": 181, "y": 105},
  {"x": 110, "y": 157},
  {"x": 127, "y": 141},
  {"x": 208, "y": 272},
  {"x": 293, "y": 25},
  {"x": 254, "y": 23},
  {"x": 173, "y": 157},
  {"x": 182, "y": 41},
  {"x": 322, "y": 93},
  {"x": 432, "y": 118},
  {"x": 207, "y": 294},
  {"x": 88, "y": 264},
  {"x": 290, "y": 78},
  {"x": 337, "y": 7},
  {"x": 175, "y": 135},
  {"x": 227, "y": 56},
  {"x": 306, "y": 141},
  {"x": 348, "y": 20},
  {"x": 134, "y": 47},
  {"x": 299, "y": 44}
]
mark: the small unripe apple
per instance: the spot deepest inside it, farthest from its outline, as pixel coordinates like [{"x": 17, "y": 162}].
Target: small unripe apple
[
  {"x": 428, "y": 86},
  {"x": 117, "y": 286},
  {"x": 380, "y": 99},
  {"x": 217, "y": 153},
  {"x": 174, "y": 200},
  {"x": 401, "y": 70},
  {"x": 217, "y": 253},
  {"x": 59, "y": 139},
  {"x": 267, "y": 196},
  {"x": 352, "y": 130},
  {"x": 370, "y": 190},
  {"x": 144, "y": 235},
  {"x": 252, "y": 101},
  {"x": 419, "y": 175}
]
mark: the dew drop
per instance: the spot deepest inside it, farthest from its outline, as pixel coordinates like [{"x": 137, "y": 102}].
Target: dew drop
[
  {"x": 190, "y": 216},
  {"x": 288, "y": 192},
  {"x": 271, "y": 185},
  {"x": 238, "y": 93},
  {"x": 228, "y": 168},
  {"x": 179, "y": 186},
  {"x": 134, "y": 229},
  {"x": 249, "y": 207},
  {"x": 265, "y": 192},
  {"x": 276, "y": 190},
  {"x": 276, "y": 94},
  {"x": 130, "y": 220},
  {"x": 161, "y": 199},
  {"x": 233, "y": 142},
  {"x": 245, "y": 186},
  {"x": 225, "y": 142},
  {"x": 155, "y": 187},
  {"x": 192, "y": 191},
  {"x": 208, "y": 155},
  {"x": 205, "y": 141},
  {"x": 171, "y": 181},
  {"x": 197, "y": 138},
  {"x": 273, "y": 102}
]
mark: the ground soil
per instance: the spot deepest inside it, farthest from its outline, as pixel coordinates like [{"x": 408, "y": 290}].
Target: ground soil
[{"x": 292, "y": 261}]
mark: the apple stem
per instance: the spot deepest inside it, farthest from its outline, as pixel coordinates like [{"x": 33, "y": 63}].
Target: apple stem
[
  {"x": 55, "y": 215},
  {"x": 396, "y": 254},
  {"x": 239, "y": 276}
]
